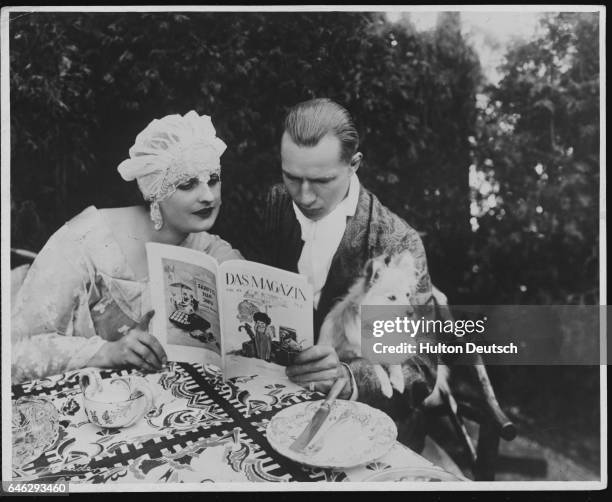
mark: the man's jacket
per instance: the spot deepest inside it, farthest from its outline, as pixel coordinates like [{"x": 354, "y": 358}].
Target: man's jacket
[{"x": 371, "y": 232}]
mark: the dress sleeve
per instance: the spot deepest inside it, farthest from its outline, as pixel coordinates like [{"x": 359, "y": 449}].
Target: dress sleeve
[
  {"x": 51, "y": 326},
  {"x": 221, "y": 250}
]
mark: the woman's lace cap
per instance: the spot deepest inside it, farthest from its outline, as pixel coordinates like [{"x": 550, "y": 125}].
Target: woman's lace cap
[{"x": 172, "y": 150}]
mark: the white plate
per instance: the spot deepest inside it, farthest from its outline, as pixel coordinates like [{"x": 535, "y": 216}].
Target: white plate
[
  {"x": 353, "y": 434},
  {"x": 412, "y": 474}
]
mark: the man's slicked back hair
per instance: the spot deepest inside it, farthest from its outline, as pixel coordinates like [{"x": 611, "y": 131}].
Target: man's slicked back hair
[{"x": 308, "y": 122}]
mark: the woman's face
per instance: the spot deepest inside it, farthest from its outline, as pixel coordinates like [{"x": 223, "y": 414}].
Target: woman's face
[{"x": 194, "y": 206}]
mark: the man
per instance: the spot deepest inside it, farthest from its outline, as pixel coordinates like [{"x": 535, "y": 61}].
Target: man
[{"x": 322, "y": 223}]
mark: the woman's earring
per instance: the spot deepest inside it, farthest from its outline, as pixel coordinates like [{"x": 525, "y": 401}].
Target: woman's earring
[{"x": 156, "y": 216}]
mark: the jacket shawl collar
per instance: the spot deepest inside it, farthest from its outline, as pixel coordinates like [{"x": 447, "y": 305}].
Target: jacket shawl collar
[{"x": 349, "y": 259}]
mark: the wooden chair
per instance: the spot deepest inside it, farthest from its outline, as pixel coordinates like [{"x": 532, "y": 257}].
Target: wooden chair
[
  {"x": 465, "y": 391},
  {"x": 21, "y": 256}
]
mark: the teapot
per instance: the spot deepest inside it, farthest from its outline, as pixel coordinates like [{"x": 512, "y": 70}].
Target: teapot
[{"x": 115, "y": 402}]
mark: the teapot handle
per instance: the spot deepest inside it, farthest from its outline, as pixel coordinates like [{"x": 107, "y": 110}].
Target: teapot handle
[
  {"x": 90, "y": 378},
  {"x": 141, "y": 385}
]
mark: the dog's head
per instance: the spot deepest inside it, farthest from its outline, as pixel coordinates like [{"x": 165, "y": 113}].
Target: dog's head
[{"x": 391, "y": 280}]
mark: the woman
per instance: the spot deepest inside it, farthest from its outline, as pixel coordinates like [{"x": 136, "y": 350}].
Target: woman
[{"x": 85, "y": 301}]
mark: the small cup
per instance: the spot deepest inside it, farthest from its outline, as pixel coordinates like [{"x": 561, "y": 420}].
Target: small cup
[{"x": 115, "y": 402}]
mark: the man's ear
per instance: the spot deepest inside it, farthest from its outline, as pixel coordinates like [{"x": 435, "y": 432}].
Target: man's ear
[{"x": 356, "y": 161}]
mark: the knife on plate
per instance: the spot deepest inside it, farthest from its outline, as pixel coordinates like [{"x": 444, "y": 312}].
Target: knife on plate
[{"x": 319, "y": 417}]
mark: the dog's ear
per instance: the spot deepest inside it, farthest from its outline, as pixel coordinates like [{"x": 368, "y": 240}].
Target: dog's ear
[
  {"x": 373, "y": 268},
  {"x": 368, "y": 270},
  {"x": 406, "y": 261}
]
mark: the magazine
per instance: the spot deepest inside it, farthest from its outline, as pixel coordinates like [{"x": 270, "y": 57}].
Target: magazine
[{"x": 242, "y": 316}]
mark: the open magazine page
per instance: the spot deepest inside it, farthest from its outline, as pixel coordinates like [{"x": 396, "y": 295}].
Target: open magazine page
[
  {"x": 266, "y": 318},
  {"x": 184, "y": 297}
]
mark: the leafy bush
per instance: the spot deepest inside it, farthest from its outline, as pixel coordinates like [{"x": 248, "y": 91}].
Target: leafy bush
[
  {"x": 83, "y": 86},
  {"x": 538, "y": 148}
]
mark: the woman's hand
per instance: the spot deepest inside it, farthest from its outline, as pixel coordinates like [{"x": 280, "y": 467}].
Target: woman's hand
[
  {"x": 138, "y": 349},
  {"x": 318, "y": 366}
]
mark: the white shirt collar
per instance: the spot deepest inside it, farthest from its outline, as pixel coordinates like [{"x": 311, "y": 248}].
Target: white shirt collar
[{"x": 322, "y": 238}]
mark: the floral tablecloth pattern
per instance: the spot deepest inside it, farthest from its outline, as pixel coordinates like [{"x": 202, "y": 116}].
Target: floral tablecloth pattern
[{"x": 200, "y": 429}]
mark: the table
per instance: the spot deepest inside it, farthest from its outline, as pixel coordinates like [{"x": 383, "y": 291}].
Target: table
[{"x": 201, "y": 429}]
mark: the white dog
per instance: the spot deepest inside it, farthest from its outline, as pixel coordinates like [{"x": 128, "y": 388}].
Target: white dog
[{"x": 387, "y": 280}]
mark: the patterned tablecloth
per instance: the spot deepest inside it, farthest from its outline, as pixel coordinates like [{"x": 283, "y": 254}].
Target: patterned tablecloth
[{"x": 200, "y": 430}]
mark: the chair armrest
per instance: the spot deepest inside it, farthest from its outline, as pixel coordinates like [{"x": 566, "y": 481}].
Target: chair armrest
[
  {"x": 485, "y": 400},
  {"x": 21, "y": 256},
  {"x": 506, "y": 428},
  {"x": 483, "y": 406}
]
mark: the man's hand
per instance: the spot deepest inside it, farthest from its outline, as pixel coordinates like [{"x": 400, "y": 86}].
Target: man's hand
[
  {"x": 319, "y": 365},
  {"x": 138, "y": 349}
]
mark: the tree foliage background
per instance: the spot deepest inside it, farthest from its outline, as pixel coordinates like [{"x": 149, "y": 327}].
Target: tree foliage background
[{"x": 502, "y": 180}]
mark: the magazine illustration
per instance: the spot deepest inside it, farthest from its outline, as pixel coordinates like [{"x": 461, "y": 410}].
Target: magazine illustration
[{"x": 242, "y": 316}]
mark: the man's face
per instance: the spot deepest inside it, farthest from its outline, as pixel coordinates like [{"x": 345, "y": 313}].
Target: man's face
[
  {"x": 260, "y": 326},
  {"x": 316, "y": 178}
]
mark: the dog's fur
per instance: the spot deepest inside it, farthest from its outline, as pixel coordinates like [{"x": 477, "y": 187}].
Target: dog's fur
[{"x": 387, "y": 280}]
